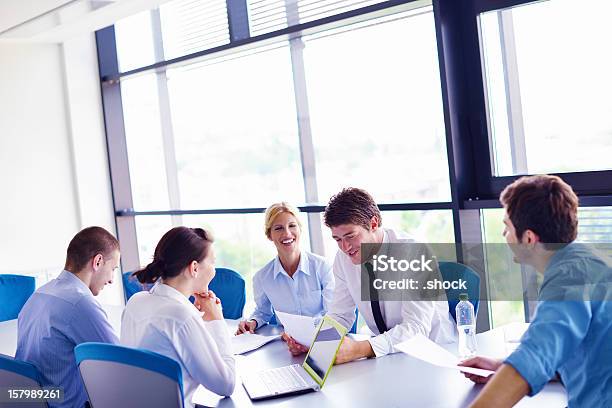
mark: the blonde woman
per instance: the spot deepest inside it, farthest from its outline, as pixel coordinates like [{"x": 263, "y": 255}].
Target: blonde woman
[{"x": 295, "y": 281}]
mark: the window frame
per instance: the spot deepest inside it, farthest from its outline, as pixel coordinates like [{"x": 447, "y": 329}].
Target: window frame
[{"x": 472, "y": 183}]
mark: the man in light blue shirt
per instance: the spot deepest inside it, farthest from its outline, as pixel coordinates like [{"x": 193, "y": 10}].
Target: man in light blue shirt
[
  {"x": 64, "y": 313},
  {"x": 571, "y": 332}
]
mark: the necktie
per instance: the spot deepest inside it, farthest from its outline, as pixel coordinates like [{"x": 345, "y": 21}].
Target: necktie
[{"x": 380, "y": 322}]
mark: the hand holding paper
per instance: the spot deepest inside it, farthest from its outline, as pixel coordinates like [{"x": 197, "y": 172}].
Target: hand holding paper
[
  {"x": 426, "y": 350},
  {"x": 302, "y": 328},
  {"x": 483, "y": 363}
]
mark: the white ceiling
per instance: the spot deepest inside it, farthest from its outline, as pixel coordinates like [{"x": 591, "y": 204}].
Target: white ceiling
[
  {"x": 14, "y": 12},
  {"x": 53, "y": 21}
]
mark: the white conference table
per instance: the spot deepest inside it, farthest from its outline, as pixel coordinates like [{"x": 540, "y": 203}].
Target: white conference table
[{"x": 396, "y": 380}]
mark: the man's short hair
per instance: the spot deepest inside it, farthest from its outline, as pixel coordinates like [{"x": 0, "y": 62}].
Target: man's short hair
[
  {"x": 351, "y": 206},
  {"x": 86, "y": 244},
  {"x": 544, "y": 204}
]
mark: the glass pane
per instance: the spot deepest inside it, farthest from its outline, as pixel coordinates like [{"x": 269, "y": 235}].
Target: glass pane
[
  {"x": 548, "y": 90},
  {"x": 134, "y": 37},
  {"x": 189, "y": 26},
  {"x": 144, "y": 142},
  {"x": 241, "y": 243},
  {"x": 502, "y": 272},
  {"x": 270, "y": 15},
  {"x": 431, "y": 226},
  {"x": 149, "y": 230},
  {"x": 235, "y": 131},
  {"x": 595, "y": 227},
  {"x": 376, "y": 110}
]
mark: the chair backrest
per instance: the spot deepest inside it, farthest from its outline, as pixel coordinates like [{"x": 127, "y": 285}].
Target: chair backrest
[
  {"x": 131, "y": 285},
  {"x": 15, "y": 290},
  {"x": 19, "y": 374},
  {"x": 117, "y": 376},
  {"x": 354, "y": 328},
  {"x": 452, "y": 272},
  {"x": 229, "y": 286}
]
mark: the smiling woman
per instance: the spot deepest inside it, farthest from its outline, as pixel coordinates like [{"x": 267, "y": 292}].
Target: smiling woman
[{"x": 295, "y": 281}]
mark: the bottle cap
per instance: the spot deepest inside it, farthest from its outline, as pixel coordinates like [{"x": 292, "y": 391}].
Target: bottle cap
[{"x": 463, "y": 296}]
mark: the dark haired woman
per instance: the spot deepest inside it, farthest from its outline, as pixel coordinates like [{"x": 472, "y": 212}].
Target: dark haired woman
[{"x": 164, "y": 321}]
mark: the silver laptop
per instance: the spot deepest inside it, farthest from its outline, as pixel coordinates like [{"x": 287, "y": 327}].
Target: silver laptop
[{"x": 296, "y": 378}]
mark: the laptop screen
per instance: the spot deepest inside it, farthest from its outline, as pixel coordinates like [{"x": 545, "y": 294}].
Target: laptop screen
[{"x": 323, "y": 351}]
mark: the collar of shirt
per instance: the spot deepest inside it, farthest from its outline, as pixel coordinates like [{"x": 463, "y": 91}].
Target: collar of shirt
[
  {"x": 303, "y": 266},
  {"x": 573, "y": 250},
  {"x": 384, "y": 246},
  {"x": 161, "y": 289},
  {"x": 74, "y": 281},
  {"x": 385, "y": 237}
]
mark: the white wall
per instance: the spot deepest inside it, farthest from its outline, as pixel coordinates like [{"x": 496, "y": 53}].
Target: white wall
[
  {"x": 53, "y": 165},
  {"x": 38, "y": 205}
]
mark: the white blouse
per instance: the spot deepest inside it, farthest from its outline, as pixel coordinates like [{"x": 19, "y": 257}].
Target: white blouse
[{"x": 164, "y": 321}]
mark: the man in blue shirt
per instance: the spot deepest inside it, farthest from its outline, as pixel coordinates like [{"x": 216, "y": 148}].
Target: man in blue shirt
[
  {"x": 64, "y": 313},
  {"x": 571, "y": 332}
]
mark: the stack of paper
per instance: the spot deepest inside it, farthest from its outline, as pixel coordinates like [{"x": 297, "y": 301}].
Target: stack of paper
[
  {"x": 424, "y": 349},
  {"x": 302, "y": 328},
  {"x": 248, "y": 341}
]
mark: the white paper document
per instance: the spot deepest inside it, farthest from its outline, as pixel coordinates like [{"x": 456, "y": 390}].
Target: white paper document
[
  {"x": 248, "y": 341},
  {"x": 424, "y": 349},
  {"x": 302, "y": 328}
]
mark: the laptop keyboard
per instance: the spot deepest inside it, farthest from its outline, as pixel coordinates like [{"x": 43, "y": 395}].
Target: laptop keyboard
[{"x": 283, "y": 379}]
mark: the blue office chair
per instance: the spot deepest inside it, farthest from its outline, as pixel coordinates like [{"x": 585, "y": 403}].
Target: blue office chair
[
  {"x": 15, "y": 290},
  {"x": 273, "y": 319},
  {"x": 453, "y": 271},
  {"x": 131, "y": 285},
  {"x": 17, "y": 374},
  {"x": 229, "y": 286},
  {"x": 117, "y": 376},
  {"x": 354, "y": 328}
]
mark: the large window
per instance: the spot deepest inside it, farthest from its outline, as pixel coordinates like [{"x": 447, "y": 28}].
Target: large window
[
  {"x": 235, "y": 131},
  {"x": 293, "y": 120},
  {"x": 433, "y": 109},
  {"x": 548, "y": 88},
  {"x": 374, "y": 95}
]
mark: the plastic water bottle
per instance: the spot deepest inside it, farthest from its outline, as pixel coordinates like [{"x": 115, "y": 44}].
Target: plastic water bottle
[{"x": 466, "y": 326}]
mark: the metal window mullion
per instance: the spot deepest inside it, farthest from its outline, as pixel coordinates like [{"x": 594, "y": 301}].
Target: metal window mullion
[
  {"x": 165, "y": 116},
  {"x": 516, "y": 131},
  {"x": 472, "y": 232},
  {"x": 292, "y": 13},
  {"x": 238, "y": 20},
  {"x": 296, "y": 47},
  {"x": 117, "y": 148},
  {"x": 518, "y": 149}
]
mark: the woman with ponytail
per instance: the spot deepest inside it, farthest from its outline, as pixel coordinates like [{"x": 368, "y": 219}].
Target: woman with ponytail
[{"x": 164, "y": 321}]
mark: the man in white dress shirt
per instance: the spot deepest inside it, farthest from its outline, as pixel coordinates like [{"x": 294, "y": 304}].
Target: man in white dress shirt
[{"x": 354, "y": 219}]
